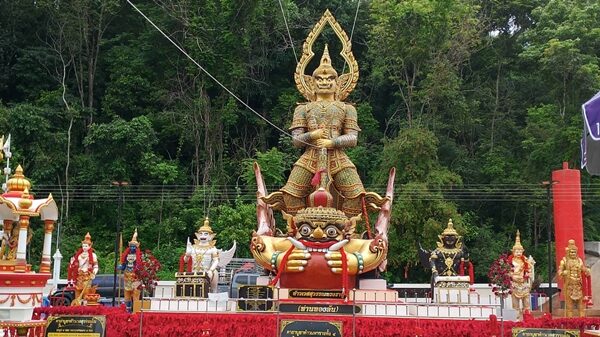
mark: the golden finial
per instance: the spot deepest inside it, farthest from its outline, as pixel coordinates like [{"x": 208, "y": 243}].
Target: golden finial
[
  {"x": 18, "y": 182},
  {"x": 450, "y": 229},
  {"x": 134, "y": 240},
  {"x": 25, "y": 202},
  {"x": 206, "y": 227},
  {"x": 88, "y": 239},
  {"x": 571, "y": 246},
  {"x": 518, "y": 242},
  {"x": 325, "y": 67}
]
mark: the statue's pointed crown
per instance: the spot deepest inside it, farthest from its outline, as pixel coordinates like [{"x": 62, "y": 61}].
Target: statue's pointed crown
[
  {"x": 325, "y": 66},
  {"x": 206, "y": 227},
  {"x": 134, "y": 240},
  {"x": 518, "y": 242},
  {"x": 87, "y": 239},
  {"x": 571, "y": 246},
  {"x": 450, "y": 229}
]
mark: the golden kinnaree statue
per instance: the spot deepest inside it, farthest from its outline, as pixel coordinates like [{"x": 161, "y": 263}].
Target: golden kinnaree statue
[
  {"x": 573, "y": 273},
  {"x": 324, "y": 197},
  {"x": 521, "y": 276}
]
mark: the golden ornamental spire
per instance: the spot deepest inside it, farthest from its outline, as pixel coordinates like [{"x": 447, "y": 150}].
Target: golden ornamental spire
[
  {"x": 205, "y": 227},
  {"x": 134, "y": 240},
  {"x": 518, "y": 242},
  {"x": 347, "y": 81},
  {"x": 18, "y": 182},
  {"x": 87, "y": 239},
  {"x": 25, "y": 202},
  {"x": 450, "y": 229}
]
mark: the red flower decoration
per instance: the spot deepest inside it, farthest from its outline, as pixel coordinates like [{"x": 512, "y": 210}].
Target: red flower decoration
[
  {"x": 146, "y": 271},
  {"x": 499, "y": 275}
]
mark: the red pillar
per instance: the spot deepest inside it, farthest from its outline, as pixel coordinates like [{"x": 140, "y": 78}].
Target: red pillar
[{"x": 568, "y": 217}]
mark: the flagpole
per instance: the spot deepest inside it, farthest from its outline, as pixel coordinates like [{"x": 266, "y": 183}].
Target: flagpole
[{"x": 8, "y": 155}]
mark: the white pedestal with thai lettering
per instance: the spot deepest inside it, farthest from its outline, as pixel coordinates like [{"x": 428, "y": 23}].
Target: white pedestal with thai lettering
[{"x": 451, "y": 290}]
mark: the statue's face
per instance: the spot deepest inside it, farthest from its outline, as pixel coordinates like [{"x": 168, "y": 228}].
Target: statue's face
[
  {"x": 325, "y": 83},
  {"x": 320, "y": 231},
  {"x": 450, "y": 241},
  {"x": 132, "y": 248},
  {"x": 85, "y": 247},
  {"x": 572, "y": 253},
  {"x": 204, "y": 237},
  {"x": 518, "y": 252}
]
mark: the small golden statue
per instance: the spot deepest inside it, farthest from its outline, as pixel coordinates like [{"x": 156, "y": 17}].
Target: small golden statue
[
  {"x": 521, "y": 278},
  {"x": 573, "y": 272},
  {"x": 83, "y": 269},
  {"x": 204, "y": 257},
  {"x": 131, "y": 257}
]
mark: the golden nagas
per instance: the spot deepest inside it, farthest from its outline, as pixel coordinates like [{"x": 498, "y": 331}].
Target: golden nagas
[{"x": 321, "y": 242}]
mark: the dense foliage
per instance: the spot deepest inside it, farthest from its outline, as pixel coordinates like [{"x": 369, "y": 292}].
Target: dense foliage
[{"x": 474, "y": 103}]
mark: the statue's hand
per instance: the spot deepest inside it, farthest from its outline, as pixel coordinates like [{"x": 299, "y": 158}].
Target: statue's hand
[
  {"x": 326, "y": 143},
  {"x": 297, "y": 261},
  {"x": 316, "y": 134},
  {"x": 334, "y": 261}
]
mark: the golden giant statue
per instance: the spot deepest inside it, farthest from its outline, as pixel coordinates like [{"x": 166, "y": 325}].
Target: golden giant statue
[
  {"x": 521, "y": 277},
  {"x": 573, "y": 273},
  {"x": 321, "y": 248}
]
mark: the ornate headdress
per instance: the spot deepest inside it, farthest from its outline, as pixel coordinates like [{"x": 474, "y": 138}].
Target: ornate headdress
[
  {"x": 87, "y": 239},
  {"x": 134, "y": 240},
  {"x": 346, "y": 81},
  {"x": 571, "y": 246},
  {"x": 325, "y": 66},
  {"x": 450, "y": 229},
  {"x": 518, "y": 242},
  {"x": 206, "y": 227}
]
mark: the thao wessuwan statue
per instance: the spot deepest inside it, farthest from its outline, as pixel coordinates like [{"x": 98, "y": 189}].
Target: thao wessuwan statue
[{"x": 575, "y": 275}]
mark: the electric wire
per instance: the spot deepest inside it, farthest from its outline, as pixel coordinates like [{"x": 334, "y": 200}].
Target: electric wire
[
  {"x": 214, "y": 78},
  {"x": 288, "y": 30}
]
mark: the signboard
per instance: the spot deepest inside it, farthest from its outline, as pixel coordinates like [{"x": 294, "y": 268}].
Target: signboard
[
  {"x": 590, "y": 140},
  {"x": 292, "y": 328},
  {"x": 312, "y": 293},
  {"x": 76, "y": 326},
  {"x": 319, "y": 308},
  {"x": 536, "y": 332},
  {"x": 255, "y": 298}
]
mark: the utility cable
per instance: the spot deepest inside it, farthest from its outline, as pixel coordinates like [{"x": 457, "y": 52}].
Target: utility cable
[
  {"x": 288, "y": 30},
  {"x": 214, "y": 78}
]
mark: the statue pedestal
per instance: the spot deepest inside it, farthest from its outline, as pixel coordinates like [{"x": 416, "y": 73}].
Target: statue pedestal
[
  {"x": 191, "y": 285},
  {"x": 372, "y": 284},
  {"x": 451, "y": 289}
]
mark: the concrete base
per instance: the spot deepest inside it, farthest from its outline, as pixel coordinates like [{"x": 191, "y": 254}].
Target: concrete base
[{"x": 372, "y": 284}]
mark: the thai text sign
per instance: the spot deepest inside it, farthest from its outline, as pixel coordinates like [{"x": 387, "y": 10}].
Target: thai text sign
[
  {"x": 76, "y": 326},
  {"x": 536, "y": 332},
  {"x": 290, "y": 328}
]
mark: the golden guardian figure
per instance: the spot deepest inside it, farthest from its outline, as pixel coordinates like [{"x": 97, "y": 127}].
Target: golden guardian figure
[
  {"x": 573, "y": 273},
  {"x": 321, "y": 248},
  {"x": 521, "y": 277}
]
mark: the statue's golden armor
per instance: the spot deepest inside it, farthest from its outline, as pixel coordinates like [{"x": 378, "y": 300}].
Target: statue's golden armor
[{"x": 338, "y": 122}]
